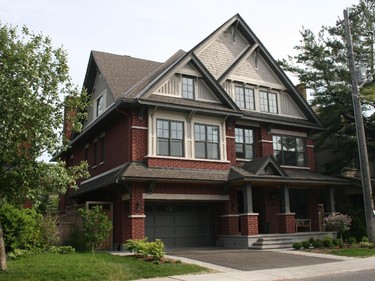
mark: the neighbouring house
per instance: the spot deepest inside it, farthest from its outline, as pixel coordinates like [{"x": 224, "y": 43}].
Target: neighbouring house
[{"x": 212, "y": 147}]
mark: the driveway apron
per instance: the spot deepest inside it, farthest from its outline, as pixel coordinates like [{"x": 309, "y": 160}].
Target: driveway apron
[{"x": 248, "y": 260}]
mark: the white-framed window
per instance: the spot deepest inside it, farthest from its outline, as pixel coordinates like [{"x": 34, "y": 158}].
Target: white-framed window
[
  {"x": 289, "y": 150},
  {"x": 244, "y": 97},
  {"x": 244, "y": 143},
  {"x": 268, "y": 102},
  {"x": 207, "y": 141},
  {"x": 188, "y": 87},
  {"x": 170, "y": 138}
]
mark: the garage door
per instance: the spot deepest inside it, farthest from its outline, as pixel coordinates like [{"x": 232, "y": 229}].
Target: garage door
[{"x": 180, "y": 225}]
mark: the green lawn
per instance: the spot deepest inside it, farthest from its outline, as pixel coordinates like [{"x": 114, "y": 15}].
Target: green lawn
[
  {"x": 85, "y": 266},
  {"x": 353, "y": 252}
]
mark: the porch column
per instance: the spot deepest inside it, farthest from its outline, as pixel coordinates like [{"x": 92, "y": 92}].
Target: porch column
[
  {"x": 135, "y": 221},
  {"x": 286, "y": 218},
  {"x": 332, "y": 199},
  {"x": 249, "y": 220}
]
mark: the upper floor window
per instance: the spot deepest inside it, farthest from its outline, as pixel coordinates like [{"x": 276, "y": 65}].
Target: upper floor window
[
  {"x": 99, "y": 105},
  {"x": 268, "y": 102},
  {"x": 244, "y": 143},
  {"x": 289, "y": 150},
  {"x": 188, "y": 87},
  {"x": 245, "y": 98},
  {"x": 206, "y": 141},
  {"x": 170, "y": 135}
]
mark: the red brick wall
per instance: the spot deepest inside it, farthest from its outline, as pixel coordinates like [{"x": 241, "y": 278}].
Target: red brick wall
[
  {"x": 310, "y": 154},
  {"x": 188, "y": 164},
  {"x": 249, "y": 224},
  {"x": 265, "y": 146},
  {"x": 231, "y": 144},
  {"x": 286, "y": 223}
]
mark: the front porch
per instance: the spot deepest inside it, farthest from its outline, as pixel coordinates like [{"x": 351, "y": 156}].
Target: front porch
[{"x": 268, "y": 241}]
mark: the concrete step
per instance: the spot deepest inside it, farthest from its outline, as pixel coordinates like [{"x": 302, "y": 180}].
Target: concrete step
[{"x": 272, "y": 243}]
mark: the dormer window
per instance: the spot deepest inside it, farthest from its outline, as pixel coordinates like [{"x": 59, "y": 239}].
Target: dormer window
[
  {"x": 188, "y": 87},
  {"x": 99, "y": 105},
  {"x": 268, "y": 102},
  {"x": 245, "y": 98}
]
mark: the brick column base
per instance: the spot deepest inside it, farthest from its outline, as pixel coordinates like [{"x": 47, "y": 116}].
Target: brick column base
[
  {"x": 137, "y": 225},
  {"x": 229, "y": 224},
  {"x": 287, "y": 223},
  {"x": 249, "y": 224}
]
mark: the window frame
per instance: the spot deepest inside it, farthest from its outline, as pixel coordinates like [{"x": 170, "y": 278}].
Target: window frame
[
  {"x": 206, "y": 142},
  {"x": 297, "y": 150},
  {"x": 243, "y": 95},
  {"x": 99, "y": 102},
  {"x": 244, "y": 144},
  {"x": 170, "y": 140},
  {"x": 190, "y": 95},
  {"x": 267, "y": 106}
]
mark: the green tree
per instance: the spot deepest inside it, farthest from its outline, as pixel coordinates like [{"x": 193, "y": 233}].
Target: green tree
[
  {"x": 97, "y": 226},
  {"x": 34, "y": 81},
  {"x": 321, "y": 65}
]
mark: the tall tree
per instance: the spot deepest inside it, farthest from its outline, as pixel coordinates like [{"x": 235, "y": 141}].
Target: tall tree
[
  {"x": 34, "y": 81},
  {"x": 321, "y": 64}
]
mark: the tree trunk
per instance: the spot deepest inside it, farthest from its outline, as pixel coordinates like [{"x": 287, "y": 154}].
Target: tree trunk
[{"x": 3, "y": 257}]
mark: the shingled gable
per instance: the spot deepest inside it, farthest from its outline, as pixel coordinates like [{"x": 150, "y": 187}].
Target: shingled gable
[
  {"x": 257, "y": 46},
  {"x": 143, "y": 91}
]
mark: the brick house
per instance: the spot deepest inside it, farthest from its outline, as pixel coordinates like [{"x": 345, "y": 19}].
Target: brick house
[{"x": 212, "y": 147}]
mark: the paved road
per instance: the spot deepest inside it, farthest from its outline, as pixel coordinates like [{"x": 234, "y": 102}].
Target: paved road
[
  {"x": 248, "y": 260},
  {"x": 363, "y": 275}
]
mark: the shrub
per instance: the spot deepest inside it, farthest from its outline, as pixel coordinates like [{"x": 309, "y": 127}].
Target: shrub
[
  {"x": 311, "y": 240},
  {"x": 48, "y": 230},
  {"x": 352, "y": 240},
  {"x": 97, "y": 226},
  {"x": 364, "y": 239},
  {"x": 305, "y": 244},
  {"x": 328, "y": 241},
  {"x": 317, "y": 243},
  {"x": 338, "y": 222},
  {"x": 20, "y": 227},
  {"x": 337, "y": 243},
  {"x": 297, "y": 245},
  {"x": 145, "y": 248},
  {"x": 62, "y": 250},
  {"x": 76, "y": 239}
]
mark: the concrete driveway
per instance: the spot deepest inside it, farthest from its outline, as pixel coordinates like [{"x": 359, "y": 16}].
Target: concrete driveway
[{"x": 249, "y": 260}]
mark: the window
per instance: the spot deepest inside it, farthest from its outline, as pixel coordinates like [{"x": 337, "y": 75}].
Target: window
[
  {"x": 206, "y": 141},
  {"x": 245, "y": 98},
  {"x": 268, "y": 102},
  {"x": 99, "y": 106},
  {"x": 289, "y": 150},
  {"x": 188, "y": 88},
  {"x": 170, "y": 135},
  {"x": 244, "y": 143}
]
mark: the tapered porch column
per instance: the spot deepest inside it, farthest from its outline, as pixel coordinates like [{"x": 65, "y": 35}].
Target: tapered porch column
[
  {"x": 249, "y": 219},
  {"x": 286, "y": 218}
]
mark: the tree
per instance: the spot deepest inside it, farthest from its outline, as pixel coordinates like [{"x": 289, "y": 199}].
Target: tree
[
  {"x": 322, "y": 66},
  {"x": 34, "y": 81},
  {"x": 97, "y": 226}
]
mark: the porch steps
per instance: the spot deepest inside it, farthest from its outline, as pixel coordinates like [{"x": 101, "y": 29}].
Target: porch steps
[{"x": 266, "y": 243}]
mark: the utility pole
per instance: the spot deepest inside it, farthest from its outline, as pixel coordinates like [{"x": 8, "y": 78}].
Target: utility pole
[{"x": 361, "y": 138}]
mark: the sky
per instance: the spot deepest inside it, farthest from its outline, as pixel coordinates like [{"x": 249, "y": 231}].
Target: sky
[{"x": 155, "y": 30}]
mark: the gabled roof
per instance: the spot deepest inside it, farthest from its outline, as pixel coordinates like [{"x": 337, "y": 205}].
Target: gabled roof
[
  {"x": 265, "y": 165},
  {"x": 120, "y": 72}
]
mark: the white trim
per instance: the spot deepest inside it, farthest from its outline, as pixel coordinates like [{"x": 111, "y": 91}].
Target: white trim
[
  {"x": 249, "y": 214},
  {"x": 296, "y": 167},
  {"x": 137, "y": 216},
  {"x": 125, "y": 197},
  {"x": 195, "y": 197},
  {"x": 229, "y": 216},
  {"x": 288, "y": 133},
  {"x": 188, "y": 159},
  {"x": 265, "y": 141},
  {"x": 230, "y": 137},
  {"x": 311, "y": 146},
  {"x": 139, "y": 127},
  {"x": 286, "y": 214}
]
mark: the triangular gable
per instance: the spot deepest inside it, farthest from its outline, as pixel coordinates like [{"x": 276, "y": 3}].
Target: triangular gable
[
  {"x": 265, "y": 166},
  {"x": 211, "y": 86},
  {"x": 250, "y": 46}
]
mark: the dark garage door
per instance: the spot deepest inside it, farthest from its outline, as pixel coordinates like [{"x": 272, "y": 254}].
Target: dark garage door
[{"x": 180, "y": 225}]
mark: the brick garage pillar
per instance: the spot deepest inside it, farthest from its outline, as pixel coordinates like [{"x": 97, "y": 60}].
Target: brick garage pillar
[
  {"x": 287, "y": 222},
  {"x": 136, "y": 216},
  {"x": 249, "y": 224},
  {"x": 229, "y": 224}
]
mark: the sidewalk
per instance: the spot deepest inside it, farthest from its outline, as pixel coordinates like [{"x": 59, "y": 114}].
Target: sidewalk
[{"x": 229, "y": 274}]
